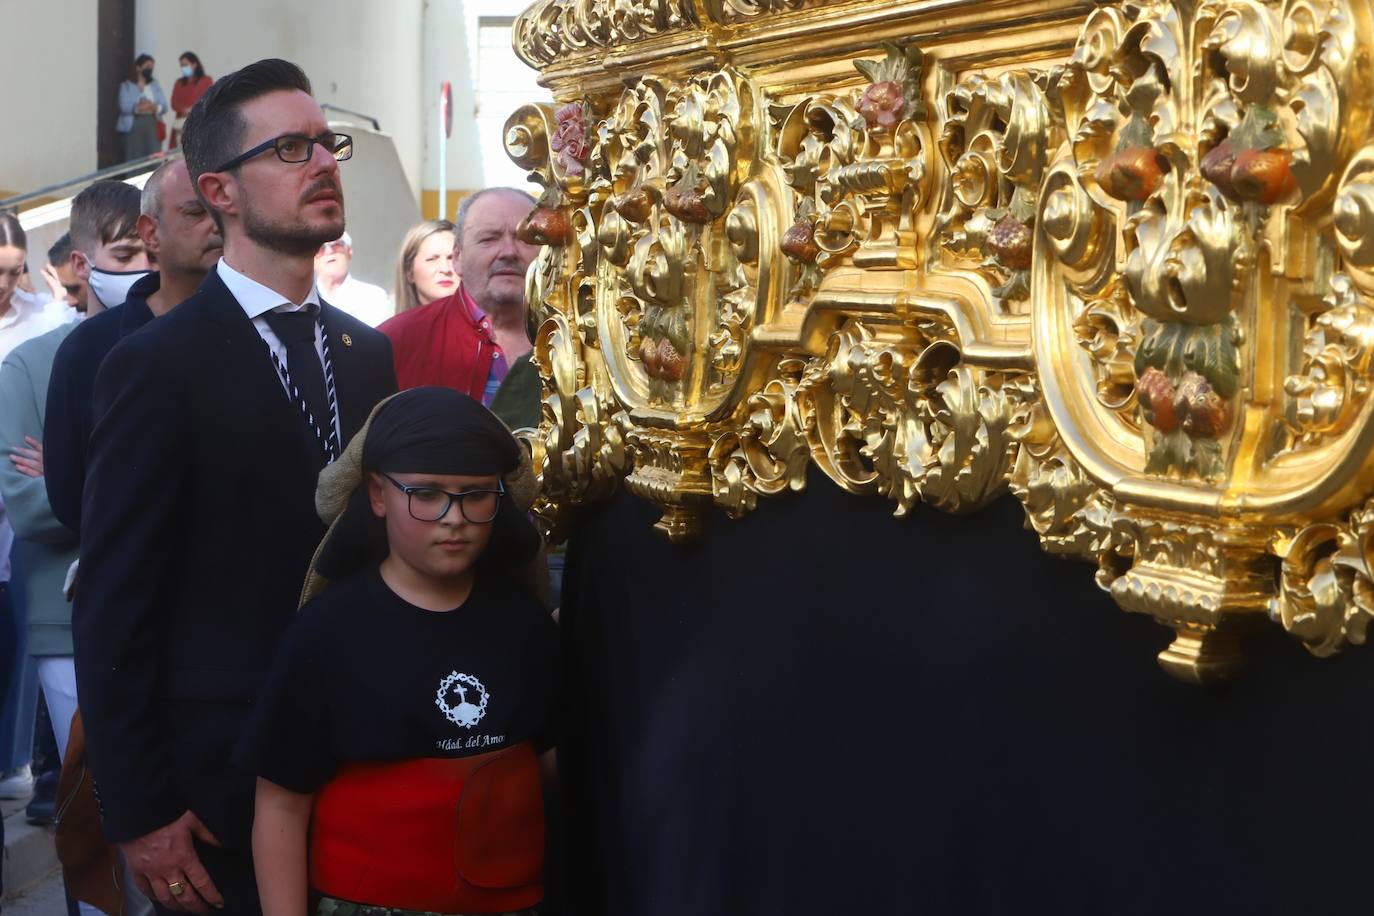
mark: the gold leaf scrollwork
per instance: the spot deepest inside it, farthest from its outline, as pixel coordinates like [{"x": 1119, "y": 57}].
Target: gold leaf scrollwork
[
  {"x": 1336, "y": 372},
  {"x": 768, "y": 454},
  {"x": 1326, "y": 588},
  {"x": 995, "y": 141},
  {"x": 1064, "y": 506},
  {"x": 1128, "y": 276},
  {"x": 554, "y": 29},
  {"x": 857, "y": 162},
  {"x": 897, "y": 414}
]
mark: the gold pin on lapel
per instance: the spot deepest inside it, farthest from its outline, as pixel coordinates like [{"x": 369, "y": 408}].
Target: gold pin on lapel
[{"x": 347, "y": 340}]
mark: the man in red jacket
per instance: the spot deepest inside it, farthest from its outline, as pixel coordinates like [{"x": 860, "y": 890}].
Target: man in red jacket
[{"x": 469, "y": 340}]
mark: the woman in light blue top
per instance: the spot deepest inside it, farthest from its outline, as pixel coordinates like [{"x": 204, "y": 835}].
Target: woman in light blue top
[{"x": 141, "y": 106}]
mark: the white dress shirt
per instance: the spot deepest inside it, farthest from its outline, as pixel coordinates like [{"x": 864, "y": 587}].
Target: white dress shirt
[
  {"x": 256, "y": 301},
  {"x": 28, "y": 316},
  {"x": 365, "y": 302}
]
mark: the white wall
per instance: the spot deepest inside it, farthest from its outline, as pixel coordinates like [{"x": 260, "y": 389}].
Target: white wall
[
  {"x": 382, "y": 57},
  {"x": 360, "y": 54},
  {"x": 48, "y": 69},
  {"x": 445, "y": 58},
  {"x": 489, "y": 82}
]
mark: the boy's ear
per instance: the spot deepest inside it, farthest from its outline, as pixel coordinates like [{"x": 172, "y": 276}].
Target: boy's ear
[{"x": 375, "y": 499}]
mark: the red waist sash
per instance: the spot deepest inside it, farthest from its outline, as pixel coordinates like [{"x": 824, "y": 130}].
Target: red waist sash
[{"x": 448, "y": 836}]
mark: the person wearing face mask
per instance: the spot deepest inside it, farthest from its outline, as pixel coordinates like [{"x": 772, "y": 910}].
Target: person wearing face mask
[
  {"x": 467, "y": 341},
  {"x": 186, "y": 91},
  {"x": 110, "y": 258},
  {"x": 173, "y": 227},
  {"x": 141, "y": 107}
]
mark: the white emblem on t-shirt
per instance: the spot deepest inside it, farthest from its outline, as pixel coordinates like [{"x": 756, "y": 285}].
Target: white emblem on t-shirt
[{"x": 464, "y": 688}]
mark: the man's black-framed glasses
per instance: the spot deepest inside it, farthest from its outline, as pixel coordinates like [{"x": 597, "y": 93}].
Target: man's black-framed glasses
[
  {"x": 296, "y": 148},
  {"x": 430, "y": 504}
]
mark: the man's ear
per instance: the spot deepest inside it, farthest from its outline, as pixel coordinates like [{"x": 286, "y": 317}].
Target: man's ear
[
  {"x": 374, "y": 494},
  {"x": 148, "y": 230},
  {"x": 217, "y": 192},
  {"x": 81, "y": 266}
]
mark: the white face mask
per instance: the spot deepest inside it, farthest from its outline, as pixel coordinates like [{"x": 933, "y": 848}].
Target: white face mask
[
  {"x": 187, "y": 70},
  {"x": 112, "y": 287}
]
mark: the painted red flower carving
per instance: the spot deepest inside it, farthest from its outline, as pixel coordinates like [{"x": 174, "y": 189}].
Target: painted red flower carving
[
  {"x": 570, "y": 142},
  {"x": 882, "y": 104}
]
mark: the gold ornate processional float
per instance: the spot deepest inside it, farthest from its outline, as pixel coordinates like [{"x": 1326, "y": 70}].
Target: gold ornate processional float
[{"x": 1114, "y": 257}]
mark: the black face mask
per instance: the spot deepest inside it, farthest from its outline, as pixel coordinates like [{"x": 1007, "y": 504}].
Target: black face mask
[{"x": 147, "y": 73}]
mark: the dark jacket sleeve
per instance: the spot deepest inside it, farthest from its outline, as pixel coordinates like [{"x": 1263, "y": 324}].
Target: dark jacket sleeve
[
  {"x": 518, "y": 402},
  {"x": 133, "y": 496},
  {"x": 65, "y": 425},
  {"x": 386, "y": 377}
]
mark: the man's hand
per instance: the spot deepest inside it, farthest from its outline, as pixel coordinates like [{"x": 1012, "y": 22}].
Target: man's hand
[
  {"x": 50, "y": 277},
  {"x": 166, "y": 858},
  {"x": 28, "y": 461}
]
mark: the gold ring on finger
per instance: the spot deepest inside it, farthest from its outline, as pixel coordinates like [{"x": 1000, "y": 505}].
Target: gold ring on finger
[{"x": 176, "y": 888}]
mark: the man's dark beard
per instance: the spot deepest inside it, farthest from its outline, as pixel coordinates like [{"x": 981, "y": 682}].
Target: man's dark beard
[{"x": 297, "y": 239}]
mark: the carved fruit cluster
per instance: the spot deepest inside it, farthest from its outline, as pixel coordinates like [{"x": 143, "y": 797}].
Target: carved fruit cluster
[
  {"x": 687, "y": 203},
  {"x": 1010, "y": 242},
  {"x": 544, "y": 226},
  {"x": 1192, "y": 405},
  {"x": 799, "y": 242},
  {"x": 661, "y": 359},
  {"x": 1251, "y": 163},
  {"x": 635, "y": 205},
  {"x": 1132, "y": 173},
  {"x": 1262, "y": 175}
]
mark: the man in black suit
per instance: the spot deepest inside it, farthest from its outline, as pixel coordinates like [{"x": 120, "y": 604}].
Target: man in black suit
[{"x": 198, "y": 518}]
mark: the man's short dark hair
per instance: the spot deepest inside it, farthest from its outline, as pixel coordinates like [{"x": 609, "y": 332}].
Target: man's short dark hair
[
  {"x": 102, "y": 213},
  {"x": 61, "y": 251},
  {"x": 215, "y": 127}
]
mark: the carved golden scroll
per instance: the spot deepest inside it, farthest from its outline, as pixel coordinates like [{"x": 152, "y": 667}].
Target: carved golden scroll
[{"x": 1116, "y": 258}]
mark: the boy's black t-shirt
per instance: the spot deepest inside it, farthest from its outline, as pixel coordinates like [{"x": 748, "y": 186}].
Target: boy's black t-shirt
[{"x": 363, "y": 675}]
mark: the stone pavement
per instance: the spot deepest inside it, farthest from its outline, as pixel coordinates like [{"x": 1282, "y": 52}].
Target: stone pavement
[
  {"x": 46, "y": 898},
  {"x": 30, "y": 856}
]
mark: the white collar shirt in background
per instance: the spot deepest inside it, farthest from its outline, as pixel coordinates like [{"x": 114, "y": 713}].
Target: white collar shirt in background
[
  {"x": 257, "y": 300},
  {"x": 365, "y": 302},
  {"x": 28, "y": 316}
]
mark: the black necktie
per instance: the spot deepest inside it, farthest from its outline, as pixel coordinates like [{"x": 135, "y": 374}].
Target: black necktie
[{"x": 296, "y": 331}]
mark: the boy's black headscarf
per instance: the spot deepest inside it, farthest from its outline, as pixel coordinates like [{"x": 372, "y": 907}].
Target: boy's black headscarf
[{"x": 427, "y": 430}]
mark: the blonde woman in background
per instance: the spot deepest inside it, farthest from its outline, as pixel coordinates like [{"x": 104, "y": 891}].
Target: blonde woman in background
[{"x": 425, "y": 270}]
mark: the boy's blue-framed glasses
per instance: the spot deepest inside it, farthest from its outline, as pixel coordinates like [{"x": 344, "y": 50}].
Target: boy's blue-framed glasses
[
  {"x": 430, "y": 504},
  {"x": 296, "y": 148}
]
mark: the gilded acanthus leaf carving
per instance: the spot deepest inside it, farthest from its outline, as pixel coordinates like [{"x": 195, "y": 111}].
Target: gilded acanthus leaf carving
[
  {"x": 997, "y": 134},
  {"x": 1122, "y": 270},
  {"x": 857, "y": 162},
  {"x": 1326, "y": 595}
]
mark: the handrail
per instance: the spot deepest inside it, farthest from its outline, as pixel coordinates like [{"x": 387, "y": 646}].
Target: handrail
[
  {"x": 133, "y": 166},
  {"x": 357, "y": 114},
  {"x": 138, "y": 165}
]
